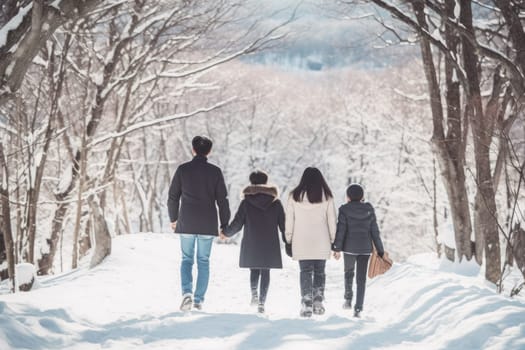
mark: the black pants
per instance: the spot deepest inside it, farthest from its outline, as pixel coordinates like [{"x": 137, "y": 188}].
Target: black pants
[
  {"x": 350, "y": 267},
  {"x": 264, "y": 275},
  {"x": 312, "y": 280}
]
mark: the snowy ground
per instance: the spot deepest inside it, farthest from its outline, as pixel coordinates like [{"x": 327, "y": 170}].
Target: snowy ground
[{"x": 131, "y": 302}]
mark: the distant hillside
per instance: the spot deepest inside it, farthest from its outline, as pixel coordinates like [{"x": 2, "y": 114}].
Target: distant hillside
[{"x": 318, "y": 41}]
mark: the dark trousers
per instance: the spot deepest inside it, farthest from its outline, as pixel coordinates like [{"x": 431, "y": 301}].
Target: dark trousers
[
  {"x": 312, "y": 280},
  {"x": 350, "y": 269},
  {"x": 264, "y": 276}
]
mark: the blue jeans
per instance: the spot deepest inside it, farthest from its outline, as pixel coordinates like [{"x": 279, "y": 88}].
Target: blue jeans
[{"x": 187, "y": 244}]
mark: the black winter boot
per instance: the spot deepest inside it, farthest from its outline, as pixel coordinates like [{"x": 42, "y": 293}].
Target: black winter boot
[
  {"x": 260, "y": 308},
  {"x": 255, "y": 298},
  {"x": 307, "y": 308},
  {"x": 318, "y": 307}
]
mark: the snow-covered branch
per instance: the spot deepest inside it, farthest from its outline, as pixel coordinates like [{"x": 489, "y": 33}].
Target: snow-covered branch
[{"x": 150, "y": 123}]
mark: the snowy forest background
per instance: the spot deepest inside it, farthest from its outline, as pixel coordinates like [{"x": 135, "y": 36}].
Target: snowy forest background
[{"x": 99, "y": 101}]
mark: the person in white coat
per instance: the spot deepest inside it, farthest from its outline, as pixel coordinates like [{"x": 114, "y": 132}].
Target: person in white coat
[{"x": 310, "y": 228}]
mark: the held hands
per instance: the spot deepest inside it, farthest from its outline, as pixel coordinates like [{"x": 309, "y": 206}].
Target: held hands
[
  {"x": 173, "y": 225},
  {"x": 337, "y": 255},
  {"x": 222, "y": 236}
]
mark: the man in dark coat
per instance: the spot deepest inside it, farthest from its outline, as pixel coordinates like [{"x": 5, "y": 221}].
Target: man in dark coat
[
  {"x": 262, "y": 215},
  {"x": 196, "y": 188},
  {"x": 356, "y": 230}
]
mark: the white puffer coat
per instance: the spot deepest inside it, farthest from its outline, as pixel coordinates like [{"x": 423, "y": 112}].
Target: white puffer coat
[{"x": 310, "y": 227}]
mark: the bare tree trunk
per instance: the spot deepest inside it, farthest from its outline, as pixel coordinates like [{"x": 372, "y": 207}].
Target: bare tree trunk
[
  {"x": 85, "y": 240},
  {"x": 127, "y": 225},
  {"x": 18, "y": 221},
  {"x": 519, "y": 248},
  {"x": 448, "y": 149},
  {"x": 511, "y": 12},
  {"x": 503, "y": 127},
  {"x": 102, "y": 236},
  {"x": 509, "y": 257},
  {"x": 5, "y": 226},
  {"x": 4, "y": 274},
  {"x": 82, "y": 180},
  {"x": 24, "y": 42},
  {"x": 56, "y": 81},
  {"x": 485, "y": 214},
  {"x": 46, "y": 261},
  {"x": 434, "y": 209}
]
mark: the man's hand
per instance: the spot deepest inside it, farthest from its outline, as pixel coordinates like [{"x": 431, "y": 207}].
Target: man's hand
[
  {"x": 337, "y": 255},
  {"x": 174, "y": 225}
]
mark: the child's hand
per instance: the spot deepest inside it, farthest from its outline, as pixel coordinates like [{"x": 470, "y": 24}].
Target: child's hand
[{"x": 337, "y": 255}]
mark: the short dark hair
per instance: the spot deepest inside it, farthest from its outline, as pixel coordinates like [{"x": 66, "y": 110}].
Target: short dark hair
[
  {"x": 201, "y": 145},
  {"x": 355, "y": 192},
  {"x": 313, "y": 185},
  {"x": 258, "y": 178}
]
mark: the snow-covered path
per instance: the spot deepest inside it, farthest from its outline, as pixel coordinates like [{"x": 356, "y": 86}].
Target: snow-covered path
[{"x": 131, "y": 302}]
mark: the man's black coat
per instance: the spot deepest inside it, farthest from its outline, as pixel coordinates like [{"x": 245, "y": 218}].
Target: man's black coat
[{"x": 196, "y": 186}]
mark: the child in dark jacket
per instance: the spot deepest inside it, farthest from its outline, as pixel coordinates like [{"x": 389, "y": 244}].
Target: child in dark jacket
[
  {"x": 356, "y": 230},
  {"x": 262, "y": 215}
]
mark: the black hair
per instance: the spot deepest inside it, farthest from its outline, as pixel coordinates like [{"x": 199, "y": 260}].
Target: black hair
[
  {"x": 201, "y": 145},
  {"x": 258, "y": 178},
  {"x": 355, "y": 192},
  {"x": 313, "y": 185}
]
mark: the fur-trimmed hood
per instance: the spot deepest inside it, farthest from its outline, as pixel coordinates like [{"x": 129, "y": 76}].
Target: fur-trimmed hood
[
  {"x": 261, "y": 196},
  {"x": 264, "y": 189}
]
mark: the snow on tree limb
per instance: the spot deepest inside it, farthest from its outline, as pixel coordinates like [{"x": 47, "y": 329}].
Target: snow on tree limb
[
  {"x": 13, "y": 24},
  {"x": 149, "y": 123},
  {"x": 23, "y": 41},
  {"x": 402, "y": 16}
]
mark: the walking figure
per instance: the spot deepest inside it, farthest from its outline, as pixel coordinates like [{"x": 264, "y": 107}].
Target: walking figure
[
  {"x": 310, "y": 228},
  {"x": 262, "y": 215},
  {"x": 356, "y": 230},
  {"x": 196, "y": 190}
]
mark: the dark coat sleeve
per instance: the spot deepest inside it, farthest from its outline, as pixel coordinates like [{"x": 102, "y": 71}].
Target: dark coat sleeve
[
  {"x": 238, "y": 221},
  {"x": 281, "y": 219},
  {"x": 374, "y": 232},
  {"x": 341, "y": 232},
  {"x": 174, "y": 196},
  {"x": 221, "y": 196}
]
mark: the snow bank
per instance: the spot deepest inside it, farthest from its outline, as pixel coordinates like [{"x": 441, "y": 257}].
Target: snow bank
[
  {"x": 131, "y": 302},
  {"x": 25, "y": 275}
]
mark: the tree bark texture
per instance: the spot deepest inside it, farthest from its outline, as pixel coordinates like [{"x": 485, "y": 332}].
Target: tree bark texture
[
  {"x": 102, "y": 237},
  {"x": 24, "y": 42},
  {"x": 448, "y": 148},
  {"x": 485, "y": 213},
  {"x": 5, "y": 226}
]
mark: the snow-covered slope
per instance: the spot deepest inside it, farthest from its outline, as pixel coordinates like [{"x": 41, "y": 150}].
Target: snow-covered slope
[{"x": 131, "y": 301}]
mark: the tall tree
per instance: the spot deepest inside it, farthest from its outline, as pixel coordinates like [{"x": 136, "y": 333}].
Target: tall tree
[{"x": 471, "y": 57}]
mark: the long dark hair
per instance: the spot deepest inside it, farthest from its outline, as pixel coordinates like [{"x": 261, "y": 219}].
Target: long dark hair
[{"x": 314, "y": 185}]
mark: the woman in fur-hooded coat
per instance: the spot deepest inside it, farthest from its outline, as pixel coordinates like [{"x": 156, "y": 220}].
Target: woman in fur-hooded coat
[{"x": 262, "y": 215}]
